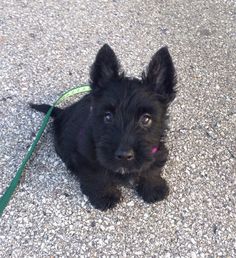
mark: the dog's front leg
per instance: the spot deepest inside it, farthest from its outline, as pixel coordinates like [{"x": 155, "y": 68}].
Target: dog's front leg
[
  {"x": 100, "y": 189},
  {"x": 151, "y": 186}
]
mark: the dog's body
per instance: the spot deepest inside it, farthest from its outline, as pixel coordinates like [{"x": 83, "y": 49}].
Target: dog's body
[{"x": 115, "y": 133}]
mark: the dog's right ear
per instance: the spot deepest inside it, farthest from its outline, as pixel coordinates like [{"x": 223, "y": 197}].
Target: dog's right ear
[{"x": 105, "y": 68}]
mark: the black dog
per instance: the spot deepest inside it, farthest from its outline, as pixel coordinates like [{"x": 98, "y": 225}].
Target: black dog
[{"x": 115, "y": 133}]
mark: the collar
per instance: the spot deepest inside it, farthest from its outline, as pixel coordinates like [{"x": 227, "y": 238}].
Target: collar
[{"x": 155, "y": 149}]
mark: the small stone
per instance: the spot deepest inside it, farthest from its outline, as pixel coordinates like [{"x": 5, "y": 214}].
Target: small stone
[
  {"x": 130, "y": 204},
  {"x": 167, "y": 255}
]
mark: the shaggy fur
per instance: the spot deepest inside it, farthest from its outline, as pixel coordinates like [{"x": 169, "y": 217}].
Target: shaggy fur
[{"x": 114, "y": 134}]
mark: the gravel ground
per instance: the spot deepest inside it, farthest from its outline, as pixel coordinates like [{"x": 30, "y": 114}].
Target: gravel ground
[{"x": 46, "y": 48}]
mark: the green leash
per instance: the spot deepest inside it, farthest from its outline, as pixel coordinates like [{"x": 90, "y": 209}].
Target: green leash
[{"x": 4, "y": 200}]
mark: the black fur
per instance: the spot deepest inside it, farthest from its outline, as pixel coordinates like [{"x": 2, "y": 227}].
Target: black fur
[
  {"x": 44, "y": 108},
  {"x": 110, "y": 136}
]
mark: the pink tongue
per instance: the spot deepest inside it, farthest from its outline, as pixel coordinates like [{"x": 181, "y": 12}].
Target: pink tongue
[{"x": 154, "y": 150}]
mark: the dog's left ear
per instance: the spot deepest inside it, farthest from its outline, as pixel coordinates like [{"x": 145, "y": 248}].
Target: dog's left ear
[
  {"x": 105, "y": 68},
  {"x": 161, "y": 75}
]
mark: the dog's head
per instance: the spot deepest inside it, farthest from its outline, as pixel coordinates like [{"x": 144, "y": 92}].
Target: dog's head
[{"x": 128, "y": 113}]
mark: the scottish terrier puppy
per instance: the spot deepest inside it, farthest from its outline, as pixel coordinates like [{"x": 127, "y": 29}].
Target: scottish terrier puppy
[{"x": 115, "y": 134}]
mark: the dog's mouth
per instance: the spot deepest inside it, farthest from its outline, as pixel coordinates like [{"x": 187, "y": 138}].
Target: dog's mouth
[
  {"x": 122, "y": 171},
  {"x": 127, "y": 170}
]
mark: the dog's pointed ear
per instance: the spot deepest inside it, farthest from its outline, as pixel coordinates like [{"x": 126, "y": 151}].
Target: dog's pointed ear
[
  {"x": 105, "y": 68},
  {"x": 161, "y": 75}
]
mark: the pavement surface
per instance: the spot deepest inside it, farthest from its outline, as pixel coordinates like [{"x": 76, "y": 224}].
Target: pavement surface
[{"x": 48, "y": 47}]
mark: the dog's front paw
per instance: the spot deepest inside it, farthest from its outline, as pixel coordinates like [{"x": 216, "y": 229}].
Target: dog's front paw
[
  {"x": 153, "y": 191},
  {"x": 107, "y": 200}
]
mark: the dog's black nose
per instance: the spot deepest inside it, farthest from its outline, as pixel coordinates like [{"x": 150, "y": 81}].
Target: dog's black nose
[{"x": 125, "y": 155}]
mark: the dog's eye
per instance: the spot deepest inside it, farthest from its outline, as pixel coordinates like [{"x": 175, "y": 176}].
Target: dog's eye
[
  {"x": 145, "y": 120},
  {"x": 108, "y": 117}
]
